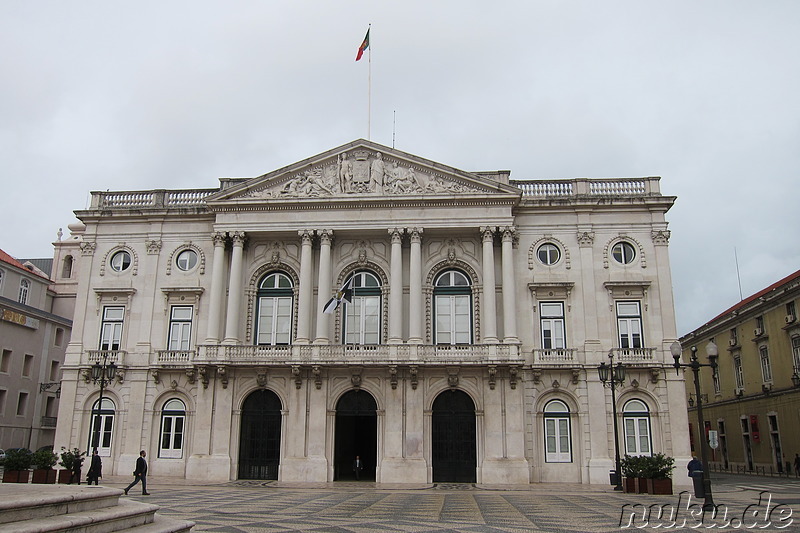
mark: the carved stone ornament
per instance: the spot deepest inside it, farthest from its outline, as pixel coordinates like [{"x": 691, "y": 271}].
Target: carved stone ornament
[
  {"x": 661, "y": 236},
  {"x": 316, "y": 371},
  {"x": 203, "y": 373},
  {"x": 222, "y": 374},
  {"x": 173, "y": 384},
  {"x": 87, "y": 248},
  {"x": 355, "y": 380},
  {"x": 452, "y": 380},
  {"x": 393, "y": 376},
  {"x": 413, "y": 374},
  {"x": 556, "y": 384},
  {"x": 86, "y": 374},
  {"x": 261, "y": 379},
  {"x": 153, "y": 247},
  {"x": 492, "y": 376},
  {"x": 298, "y": 379},
  {"x": 576, "y": 374},
  {"x": 156, "y": 378},
  {"x": 635, "y": 383},
  {"x": 120, "y": 376},
  {"x": 585, "y": 238},
  {"x": 191, "y": 375},
  {"x": 654, "y": 372},
  {"x": 536, "y": 374}
]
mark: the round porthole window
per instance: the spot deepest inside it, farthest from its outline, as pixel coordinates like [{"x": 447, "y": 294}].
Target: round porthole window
[
  {"x": 120, "y": 261},
  {"x": 548, "y": 254},
  {"x": 186, "y": 260},
  {"x": 623, "y": 252}
]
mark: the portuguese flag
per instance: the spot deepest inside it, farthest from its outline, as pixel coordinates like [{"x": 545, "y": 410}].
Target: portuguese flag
[{"x": 364, "y": 46}]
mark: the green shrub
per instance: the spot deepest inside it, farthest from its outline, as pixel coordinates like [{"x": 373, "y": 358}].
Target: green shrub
[
  {"x": 44, "y": 460},
  {"x": 658, "y": 466},
  {"x": 68, "y": 457},
  {"x": 632, "y": 466},
  {"x": 18, "y": 459}
]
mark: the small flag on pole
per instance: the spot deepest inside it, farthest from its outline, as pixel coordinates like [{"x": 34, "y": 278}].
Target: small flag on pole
[
  {"x": 364, "y": 46},
  {"x": 345, "y": 293}
]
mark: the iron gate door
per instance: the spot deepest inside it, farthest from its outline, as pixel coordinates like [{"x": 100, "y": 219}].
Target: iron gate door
[
  {"x": 260, "y": 436},
  {"x": 454, "y": 450}
]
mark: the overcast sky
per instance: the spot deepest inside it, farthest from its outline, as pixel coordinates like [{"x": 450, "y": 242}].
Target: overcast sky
[{"x": 119, "y": 95}]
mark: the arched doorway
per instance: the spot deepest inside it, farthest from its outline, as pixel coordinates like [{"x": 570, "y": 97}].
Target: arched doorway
[
  {"x": 356, "y": 434},
  {"x": 453, "y": 442},
  {"x": 260, "y": 436}
]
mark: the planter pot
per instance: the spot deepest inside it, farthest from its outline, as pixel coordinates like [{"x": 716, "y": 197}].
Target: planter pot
[
  {"x": 641, "y": 485},
  {"x": 64, "y": 476},
  {"x": 16, "y": 476},
  {"x": 659, "y": 486},
  {"x": 46, "y": 475},
  {"x": 631, "y": 485}
]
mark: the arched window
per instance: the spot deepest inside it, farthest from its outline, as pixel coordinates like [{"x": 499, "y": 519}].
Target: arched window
[
  {"x": 623, "y": 252},
  {"x": 274, "y": 318},
  {"x": 102, "y": 425},
  {"x": 636, "y": 421},
  {"x": 557, "y": 437},
  {"x": 186, "y": 260},
  {"x": 66, "y": 271},
  {"x": 24, "y": 288},
  {"x": 362, "y": 318},
  {"x": 173, "y": 423},
  {"x": 452, "y": 296}
]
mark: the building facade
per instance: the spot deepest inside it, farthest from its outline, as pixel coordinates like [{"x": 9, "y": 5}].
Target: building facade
[
  {"x": 33, "y": 342},
  {"x": 481, "y": 308},
  {"x": 753, "y": 400}
]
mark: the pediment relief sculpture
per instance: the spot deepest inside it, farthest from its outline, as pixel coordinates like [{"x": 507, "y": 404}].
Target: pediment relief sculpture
[{"x": 358, "y": 173}]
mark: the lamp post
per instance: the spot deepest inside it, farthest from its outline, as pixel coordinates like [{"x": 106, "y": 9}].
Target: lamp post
[
  {"x": 612, "y": 376},
  {"x": 712, "y": 352},
  {"x": 102, "y": 373}
]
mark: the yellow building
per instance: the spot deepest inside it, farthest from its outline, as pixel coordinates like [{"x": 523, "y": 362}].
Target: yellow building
[{"x": 753, "y": 400}]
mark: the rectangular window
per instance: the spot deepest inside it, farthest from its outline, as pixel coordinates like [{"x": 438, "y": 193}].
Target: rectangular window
[
  {"x": 796, "y": 353},
  {"x": 22, "y": 403},
  {"x": 453, "y": 319},
  {"x": 637, "y": 435},
  {"x": 5, "y": 361},
  {"x": 2, "y": 402},
  {"x": 766, "y": 368},
  {"x": 59, "y": 337},
  {"x": 24, "y": 288},
  {"x": 715, "y": 379},
  {"x": 27, "y": 364},
  {"x": 54, "y": 370},
  {"x": 629, "y": 322},
  {"x": 556, "y": 437},
  {"x": 734, "y": 337},
  {"x": 172, "y": 436},
  {"x": 551, "y": 318},
  {"x": 791, "y": 310},
  {"x": 760, "y": 325},
  {"x": 180, "y": 328},
  {"x": 111, "y": 331},
  {"x": 274, "y": 320},
  {"x": 738, "y": 373},
  {"x": 102, "y": 430}
]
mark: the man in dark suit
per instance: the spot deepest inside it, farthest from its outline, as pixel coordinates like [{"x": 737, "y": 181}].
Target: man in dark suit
[
  {"x": 95, "y": 469},
  {"x": 140, "y": 474},
  {"x": 358, "y": 466}
]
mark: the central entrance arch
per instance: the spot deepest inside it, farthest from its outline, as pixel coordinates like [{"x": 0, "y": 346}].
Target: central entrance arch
[
  {"x": 356, "y": 434},
  {"x": 260, "y": 436},
  {"x": 453, "y": 442}
]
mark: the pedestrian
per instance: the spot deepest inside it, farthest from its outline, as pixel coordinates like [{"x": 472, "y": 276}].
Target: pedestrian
[
  {"x": 358, "y": 466},
  {"x": 76, "y": 470},
  {"x": 695, "y": 467},
  {"x": 95, "y": 469},
  {"x": 797, "y": 465},
  {"x": 140, "y": 474},
  {"x": 788, "y": 467}
]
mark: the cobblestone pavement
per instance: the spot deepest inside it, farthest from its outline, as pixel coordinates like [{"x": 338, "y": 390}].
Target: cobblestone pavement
[{"x": 364, "y": 507}]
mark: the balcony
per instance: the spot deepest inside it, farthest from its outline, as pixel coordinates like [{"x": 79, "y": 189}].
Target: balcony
[
  {"x": 110, "y": 356},
  {"x": 49, "y": 421},
  {"x": 554, "y": 356},
  {"x": 635, "y": 355},
  {"x": 469, "y": 354}
]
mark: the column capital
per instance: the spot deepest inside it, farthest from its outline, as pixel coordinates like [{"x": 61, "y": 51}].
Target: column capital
[
  {"x": 238, "y": 237},
  {"x": 305, "y": 235},
  {"x": 325, "y": 236},
  {"x": 396, "y": 234},
  {"x": 219, "y": 238},
  {"x": 487, "y": 233},
  {"x": 415, "y": 233}
]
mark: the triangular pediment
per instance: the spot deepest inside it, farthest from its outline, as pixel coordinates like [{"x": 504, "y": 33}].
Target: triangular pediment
[{"x": 360, "y": 170}]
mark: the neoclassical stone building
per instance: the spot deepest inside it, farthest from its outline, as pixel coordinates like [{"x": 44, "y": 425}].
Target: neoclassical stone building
[{"x": 481, "y": 309}]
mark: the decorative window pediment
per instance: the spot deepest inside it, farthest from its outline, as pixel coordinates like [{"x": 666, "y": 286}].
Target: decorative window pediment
[
  {"x": 114, "y": 296},
  {"x": 627, "y": 290},
  {"x": 182, "y": 296}
]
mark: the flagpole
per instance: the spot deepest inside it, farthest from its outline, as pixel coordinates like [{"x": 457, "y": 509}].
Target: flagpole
[{"x": 369, "y": 86}]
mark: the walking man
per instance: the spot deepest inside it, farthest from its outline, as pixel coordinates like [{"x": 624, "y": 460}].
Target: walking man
[
  {"x": 140, "y": 474},
  {"x": 95, "y": 469},
  {"x": 358, "y": 466}
]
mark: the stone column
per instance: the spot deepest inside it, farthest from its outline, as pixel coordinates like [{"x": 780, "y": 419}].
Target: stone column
[
  {"x": 306, "y": 291},
  {"x": 396, "y": 288},
  {"x": 324, "y": 285},
  {"x": 489, "y": 322},
  {"x": 217, "y": 289},
  {"x": 235, "y": 290},
  {"x": 416, "y": 312},
  {"x": 509, "y": 288}
]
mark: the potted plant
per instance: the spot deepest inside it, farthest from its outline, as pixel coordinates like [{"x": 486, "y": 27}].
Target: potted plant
[
  {"x": 658, "y": 470},
  {"x": 43, "y": 462},
  {"x": 633, "y": 474},
  {"x": 68, "y": 458},
  {"x": 17, "y": 466}
]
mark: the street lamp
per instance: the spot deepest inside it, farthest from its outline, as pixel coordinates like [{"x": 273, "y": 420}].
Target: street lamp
[
  {"x": 712, "y": 352},
  {"x": 102, "y": 373},
  {"x": 612, "y": 376}
]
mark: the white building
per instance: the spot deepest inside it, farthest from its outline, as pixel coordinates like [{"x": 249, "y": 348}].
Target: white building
[{"x": 482, "y": 308}]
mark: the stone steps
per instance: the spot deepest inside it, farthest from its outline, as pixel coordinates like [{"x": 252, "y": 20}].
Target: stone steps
[{"x": 53, "y": 508}]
